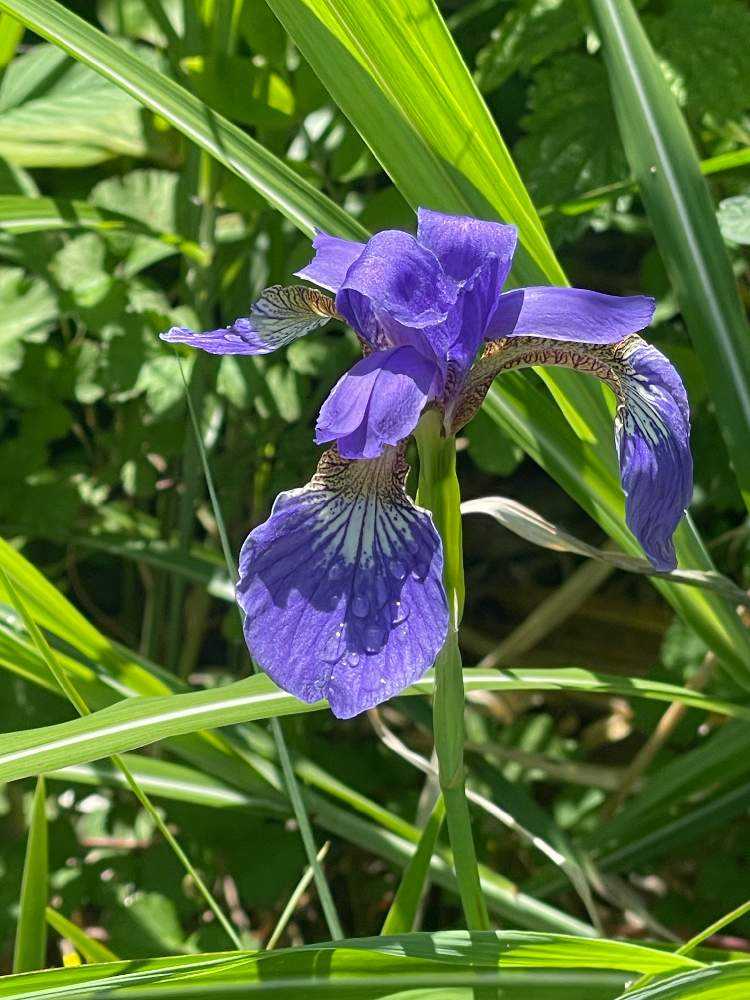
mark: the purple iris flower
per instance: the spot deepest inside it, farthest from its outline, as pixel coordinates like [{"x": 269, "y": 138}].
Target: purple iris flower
[{"x": 342, "y": 585}]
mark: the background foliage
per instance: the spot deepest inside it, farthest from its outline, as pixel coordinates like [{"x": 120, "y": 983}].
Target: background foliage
[{"x": 114, "y": 227}]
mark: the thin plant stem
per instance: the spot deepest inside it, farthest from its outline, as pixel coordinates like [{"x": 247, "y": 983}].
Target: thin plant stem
[
  {"x": 698, "y": 939},
  {"x": 290, "y": 780},
  {"x": 728, "y": 918},
  {"x": 81, "y": 706},
  {"x": 291, "y": 906},
  {"x": 439, "y": 492}
]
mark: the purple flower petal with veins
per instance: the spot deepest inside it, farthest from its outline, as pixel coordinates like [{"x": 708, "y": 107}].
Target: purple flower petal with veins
[
  {"x": 377, "y": 403},
  {"x": 342, "y": 586}
]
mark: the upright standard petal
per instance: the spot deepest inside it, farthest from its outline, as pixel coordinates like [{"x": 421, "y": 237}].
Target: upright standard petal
[
  {"x": 333, "y": 258},
  {"x": 570, "y": 314},
  {"x": 342, "y": 586},
  {"x": 461, "y": 243},
  {"x": 378, "y": 402},
  {"x": 652, "y": 425},
  {"x": 468, "y": 321},
  {"x": 394, "y": 290},
  {"x": 281, "y": 315}
]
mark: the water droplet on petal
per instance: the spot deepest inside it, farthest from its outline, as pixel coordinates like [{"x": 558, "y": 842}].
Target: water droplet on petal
[
  {"x": 336, "y": 571},
  {"x": 399, "y": 612},
  {"x": 352, "y": 659},
  {"x": 374, "y": 638},
  {"x": 420, "y": 571},
  {"x": 360, "y": 606},
  {"x": 334, "y": 646},
  {"x": 397, "y": 569}
]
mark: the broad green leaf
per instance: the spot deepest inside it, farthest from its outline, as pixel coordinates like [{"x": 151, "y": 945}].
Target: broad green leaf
[
  {"x": 21, "y": 214},
  {"x": 30, "y": 949},
  {"x": 56, "y": 112},
  {"x": 734, "y": 218},
  {"x": 28, "y": 310},
  {"x": 403, "y": 910},
  {"x": 569, "y": 145},
  {"x": 278, "y": 183},
  {"x": 136, "y": 722},
  {"x": 529, "y": 33},
  {"x": 706, "y": 48},
  {"x": 664, "y": 162},
  {"x": 92, "y": 950}
]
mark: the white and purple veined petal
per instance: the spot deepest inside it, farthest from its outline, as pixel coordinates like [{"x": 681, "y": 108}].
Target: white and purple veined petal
[
  {"x": 279, "y": 316},
  {"x": 652, "y": 431},
  {"x": 342, "y": 586},
  {"x": 652, "y": 424}
]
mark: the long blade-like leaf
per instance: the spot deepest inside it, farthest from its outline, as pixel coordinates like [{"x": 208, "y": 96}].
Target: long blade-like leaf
[
  {"x": 428, "y": 960},
  {"x": 92, "y": 950},
  {"x": 22, "y": 214},
  {"x": 403, "y": 910},
  {"x": 137, "y": 722},
  {"x": 30, "y": 948},
  {"x": 665, "y": 164}
]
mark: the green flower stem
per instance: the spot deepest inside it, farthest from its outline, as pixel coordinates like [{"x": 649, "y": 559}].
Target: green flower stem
[{"x": 439, "y": 493}]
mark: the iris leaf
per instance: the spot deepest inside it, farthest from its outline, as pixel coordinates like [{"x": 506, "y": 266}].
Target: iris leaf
[
  {"x": 136, "y": 722},
  {"x": 31, "y": 932},
  {"x": 547, "y": 965},
  {"x": 665, "y": 164}
]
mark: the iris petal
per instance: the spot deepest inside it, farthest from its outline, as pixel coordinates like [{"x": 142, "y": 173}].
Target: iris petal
[
  {"x": 652, "y": 425},
  {"x": 653, "y": 444},
  {"x": 461, "y": 243},
  {"x": 470, "y": 317},
  {"x": 570, "y": 314},
  {"x": 395, "y": 290},
  {"x": 281, "y": 315},
  {"x": 333, "y": 258},
  {"x": 342, "y": 586},
  {"x": 378, "y": 402}
]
